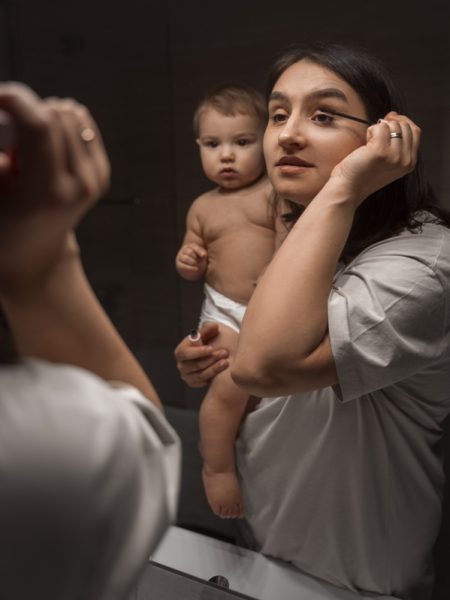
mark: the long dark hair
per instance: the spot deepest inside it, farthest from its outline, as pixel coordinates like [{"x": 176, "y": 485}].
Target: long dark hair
[
  {"x": 8, "y": 352},
  {"x": 392, "y": 208}
]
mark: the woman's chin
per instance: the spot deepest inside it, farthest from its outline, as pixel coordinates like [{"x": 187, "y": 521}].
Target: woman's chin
[{"x": 288, "y": 192}]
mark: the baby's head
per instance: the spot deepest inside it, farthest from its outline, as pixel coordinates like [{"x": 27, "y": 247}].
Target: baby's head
[{"x": 229, "y": 124}]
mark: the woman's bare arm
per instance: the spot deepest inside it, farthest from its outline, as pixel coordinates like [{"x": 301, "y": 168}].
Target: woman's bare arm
[{"x": 52, "y": 311}]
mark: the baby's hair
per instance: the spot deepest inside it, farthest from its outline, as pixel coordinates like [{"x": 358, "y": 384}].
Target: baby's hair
[{"x": 230, "y": 99}]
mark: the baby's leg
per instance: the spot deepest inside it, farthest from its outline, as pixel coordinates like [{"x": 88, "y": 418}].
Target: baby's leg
[{"x": 221, "y": 413}]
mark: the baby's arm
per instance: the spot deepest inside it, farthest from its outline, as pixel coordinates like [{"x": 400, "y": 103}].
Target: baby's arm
[{"x": 192, "y": 258}]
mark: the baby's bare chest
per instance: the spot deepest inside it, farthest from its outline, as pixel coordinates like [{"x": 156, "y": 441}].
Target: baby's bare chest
[{"x": 232, "y": 217}]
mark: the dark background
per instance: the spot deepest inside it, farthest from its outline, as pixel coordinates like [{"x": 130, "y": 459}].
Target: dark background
[{"x": 141, "y": 66}]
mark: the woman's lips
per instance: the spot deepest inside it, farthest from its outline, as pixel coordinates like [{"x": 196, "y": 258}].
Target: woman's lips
[{"x": 292, "y": 164}]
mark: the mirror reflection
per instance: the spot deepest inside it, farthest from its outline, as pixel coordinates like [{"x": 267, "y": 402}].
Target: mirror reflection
[{"x": 204, "y": 193}]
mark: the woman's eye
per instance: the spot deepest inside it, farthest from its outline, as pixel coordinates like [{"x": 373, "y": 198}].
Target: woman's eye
[
  {"x": 278, "y": 118},
  {"x": 322, "y": 118}
]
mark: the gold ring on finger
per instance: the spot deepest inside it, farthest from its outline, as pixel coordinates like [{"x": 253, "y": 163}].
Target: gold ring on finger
[{"x": 87, "y": 134}]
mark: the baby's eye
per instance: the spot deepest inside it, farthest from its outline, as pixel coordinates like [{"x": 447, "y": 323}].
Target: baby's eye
[
  {"x": 322, "y": 118},
  {"x": 211, "y": 144},
  {"x": 243, "y": 142}
]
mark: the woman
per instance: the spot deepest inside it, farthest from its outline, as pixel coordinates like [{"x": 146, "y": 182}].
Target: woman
[
  {"x": 88, "y": 464},
  {"x": 346, "y": 336}
]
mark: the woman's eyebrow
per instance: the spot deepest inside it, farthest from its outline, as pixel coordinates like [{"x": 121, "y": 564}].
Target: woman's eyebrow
[
  {"x": 327, "y": 93},
  {"x": 314, "y": 95},
  {"x": 277, "y": 96}
]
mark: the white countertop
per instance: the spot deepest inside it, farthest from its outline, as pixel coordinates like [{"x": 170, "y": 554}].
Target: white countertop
[{"x": 246, "y": 571}]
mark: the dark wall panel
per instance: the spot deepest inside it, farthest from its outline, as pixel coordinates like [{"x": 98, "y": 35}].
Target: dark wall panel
[
  {"x": 6, "y": 40},
  {"x": 117, "y": 64},
  {"x": 114, "y": 58}
]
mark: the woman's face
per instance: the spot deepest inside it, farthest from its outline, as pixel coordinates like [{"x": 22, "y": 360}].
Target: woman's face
[{"x": 302, "y": 145}]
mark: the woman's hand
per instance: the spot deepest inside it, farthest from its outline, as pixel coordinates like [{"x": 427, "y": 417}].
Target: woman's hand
[
  {"x": 54, "y": 170},
  {"x": 389, "y": 154},
  {"x": 198, "y": 364},
  {"x": 52, "y": 173}
]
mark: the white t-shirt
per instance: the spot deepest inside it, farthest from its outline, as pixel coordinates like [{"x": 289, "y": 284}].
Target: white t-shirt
[
  {"x": 89, "y": 476},
  {"x": 346, "y": 484}
]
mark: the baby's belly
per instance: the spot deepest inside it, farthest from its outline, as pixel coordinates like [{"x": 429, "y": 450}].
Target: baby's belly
[{"x": 235, "y": 270}]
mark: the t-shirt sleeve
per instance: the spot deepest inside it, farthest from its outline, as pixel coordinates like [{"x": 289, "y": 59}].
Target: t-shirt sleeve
[
  {"x": 89, "y": 474},
  {"x": 387, "y": 315},
  {"x": 160, "y": 437},
  {"x": 151, "y": 457}
]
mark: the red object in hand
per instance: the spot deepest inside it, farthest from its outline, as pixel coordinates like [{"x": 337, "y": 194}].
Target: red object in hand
[{"x": 7, "y": 141}]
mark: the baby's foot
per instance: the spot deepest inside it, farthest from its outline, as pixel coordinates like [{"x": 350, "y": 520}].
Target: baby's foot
[{"x": 223, "y": 493}]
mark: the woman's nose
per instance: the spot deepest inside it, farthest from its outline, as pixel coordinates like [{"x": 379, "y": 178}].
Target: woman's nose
[{"x": 292, "y": 134}]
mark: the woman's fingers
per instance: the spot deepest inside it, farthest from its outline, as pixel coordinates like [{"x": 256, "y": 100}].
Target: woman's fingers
[
  {"x": 389, "y": 154},
  {"x": 55, "y": 163},
  {"x": 85, "y": 158},
  {"x": 36, "y": 146},
  {"x": 197, "y": 357},
  {"x": 208, "y": 369},
  {"x": 93, "y": 154},
  {"x": 203, "y": 364},
  {"x": 25, "y": 107},
  {"x": 209, "y": 332},
  {"x": 198, "y": 364},
  {"x": 401, "y": 137}
]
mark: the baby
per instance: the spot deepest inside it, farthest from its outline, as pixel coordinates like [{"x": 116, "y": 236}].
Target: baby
[{"x": 229, "y": 240}]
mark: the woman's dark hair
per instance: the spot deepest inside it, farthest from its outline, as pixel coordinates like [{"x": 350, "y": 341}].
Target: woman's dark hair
[
  {"x": 8, "y": 352},
  {"x": 392, "y": 208}
]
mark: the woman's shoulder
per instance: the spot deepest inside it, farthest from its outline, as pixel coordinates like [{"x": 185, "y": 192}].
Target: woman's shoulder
[
  {"x": 426, "y": 244},
  {"x": 51, "y": 386},
  {"x": 38, "y": 371}
]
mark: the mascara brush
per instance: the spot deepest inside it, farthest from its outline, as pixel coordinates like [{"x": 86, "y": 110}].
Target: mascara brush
[{"x": 345, "y": 116}]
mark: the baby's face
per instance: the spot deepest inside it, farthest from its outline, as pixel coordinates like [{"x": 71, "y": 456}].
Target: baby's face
[{"x": 230, "y": 148}]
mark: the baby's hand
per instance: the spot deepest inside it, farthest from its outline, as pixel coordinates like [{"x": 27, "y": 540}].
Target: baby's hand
[{"x": 191, "y": 261}]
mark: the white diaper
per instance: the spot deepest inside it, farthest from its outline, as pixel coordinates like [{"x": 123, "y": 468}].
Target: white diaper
[{"x": 217, "y": 308}]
